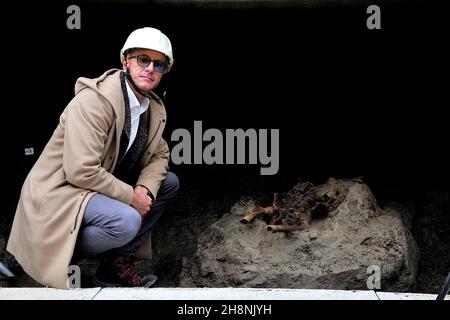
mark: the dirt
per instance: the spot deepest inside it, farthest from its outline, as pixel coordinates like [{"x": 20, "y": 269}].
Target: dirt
[
  {"x": 334, "y": 252},
  {"x": 426, "y": 210},
  {"x": 432, "y": 232}
]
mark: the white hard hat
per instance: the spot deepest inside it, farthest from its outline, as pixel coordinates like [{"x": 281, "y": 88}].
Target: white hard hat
[{"x": 149, "y": 38}]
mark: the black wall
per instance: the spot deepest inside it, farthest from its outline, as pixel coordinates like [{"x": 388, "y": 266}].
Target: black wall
[{"x": 348, "y": 101}]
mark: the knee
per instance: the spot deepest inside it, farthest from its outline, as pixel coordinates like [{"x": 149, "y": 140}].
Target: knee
[
  {"x": 128, "y": 225},
  {"x": 172, "y": 184}
]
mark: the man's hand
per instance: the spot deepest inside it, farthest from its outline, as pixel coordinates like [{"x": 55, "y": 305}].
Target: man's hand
[{"x": 141, "y": 201}]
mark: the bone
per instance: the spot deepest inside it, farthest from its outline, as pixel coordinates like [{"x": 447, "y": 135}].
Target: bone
[
  {"x": 282, "y": 228},
  {"x": 257, "y": 212}
]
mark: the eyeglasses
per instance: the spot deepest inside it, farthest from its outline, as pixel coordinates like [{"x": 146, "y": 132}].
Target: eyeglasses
[{"x": 144, "y": 60}]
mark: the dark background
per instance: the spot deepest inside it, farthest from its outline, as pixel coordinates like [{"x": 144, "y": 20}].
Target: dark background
[{"x": 348, "y": 101}]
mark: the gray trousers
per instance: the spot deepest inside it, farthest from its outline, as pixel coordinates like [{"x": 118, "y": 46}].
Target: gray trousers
[{"x": 113, "y": 226}]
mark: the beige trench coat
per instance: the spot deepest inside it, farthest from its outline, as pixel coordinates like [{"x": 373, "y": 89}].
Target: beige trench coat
[{"x": 77, "y": 163}]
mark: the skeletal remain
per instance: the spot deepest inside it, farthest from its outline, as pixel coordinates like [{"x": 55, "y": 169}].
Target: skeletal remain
[
  {"x": 268, "y": 211},
  {"x": 296, "y": 209}
]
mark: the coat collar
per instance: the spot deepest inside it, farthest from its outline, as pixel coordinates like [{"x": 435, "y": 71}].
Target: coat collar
[{"x": 109, "y": 87}]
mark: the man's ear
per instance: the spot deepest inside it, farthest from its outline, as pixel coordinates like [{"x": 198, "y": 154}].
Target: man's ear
[{"x": 125, "y": 65}]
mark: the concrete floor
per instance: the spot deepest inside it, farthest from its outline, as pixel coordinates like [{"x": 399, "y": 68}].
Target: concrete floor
[{"x": 203, "y": 294}]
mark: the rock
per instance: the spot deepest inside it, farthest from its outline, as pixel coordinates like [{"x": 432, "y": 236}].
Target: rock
[
  {"x": 406, "y": 212},
  {"x": 313, "y": 235},
  {"x": 335, "y": 253}
]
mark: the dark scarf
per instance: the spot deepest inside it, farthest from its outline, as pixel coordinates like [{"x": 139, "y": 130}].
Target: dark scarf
[{"x": 126, "y": 164}]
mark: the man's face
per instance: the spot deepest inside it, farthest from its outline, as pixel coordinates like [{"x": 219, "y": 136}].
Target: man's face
[{"x": 146, "y": 78}]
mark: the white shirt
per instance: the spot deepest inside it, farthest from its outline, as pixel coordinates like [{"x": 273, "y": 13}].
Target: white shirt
[{"x": 136, "y": 109}]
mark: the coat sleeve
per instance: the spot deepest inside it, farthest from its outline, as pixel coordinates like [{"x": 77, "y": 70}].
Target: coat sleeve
[
  {"x": 156, "y": 169},
  {"x": 87, "y": 125}
]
